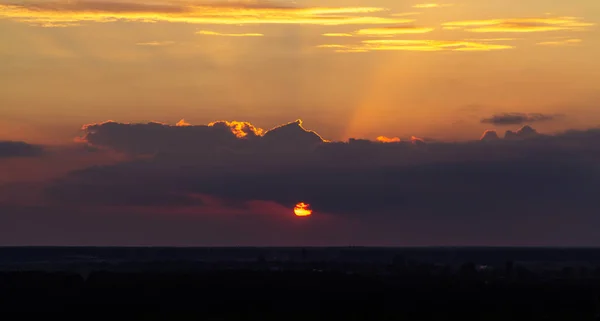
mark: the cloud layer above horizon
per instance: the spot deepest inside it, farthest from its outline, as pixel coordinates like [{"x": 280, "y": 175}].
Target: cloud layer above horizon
[
  {"x": 492, "y": 191},
  {"x": 19, "y": 149}
]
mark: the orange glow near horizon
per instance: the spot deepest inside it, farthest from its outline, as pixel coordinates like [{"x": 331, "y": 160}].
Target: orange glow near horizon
[
  {"x": 302, "y": 209},
  {"x": 183, "y": 123},
  {"x": 240, "y": 128},
  {"x": 384, "y": 139}
]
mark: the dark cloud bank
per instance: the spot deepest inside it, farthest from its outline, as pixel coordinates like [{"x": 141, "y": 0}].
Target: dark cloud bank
[
  {"x": 18, "y": 149},
  {"x": 523, "y": 189},
  {"x": 518, "y": 118}
]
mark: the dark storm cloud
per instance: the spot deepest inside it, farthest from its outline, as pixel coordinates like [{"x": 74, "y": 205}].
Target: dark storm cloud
[
  {"x": 18, "y": 149},
  {"x": 517, "y": 118}
]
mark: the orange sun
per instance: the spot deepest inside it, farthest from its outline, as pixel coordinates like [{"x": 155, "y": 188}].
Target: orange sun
[{"x": 302, "y": 209}]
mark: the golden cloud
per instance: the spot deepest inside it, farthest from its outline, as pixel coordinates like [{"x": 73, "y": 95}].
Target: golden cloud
[
  {"x": 384, "y": 139},
  {"x": 183, "y": 123},
  {"x": 491, "y": 39},
  {"x": 520, "y": 25},
  {"x": 417, "y": 45},
  {"x": 337, "y": 35},
  {"x": 58, "y": 24},
  {"x": 351, "y": 50},
  {"x": 74, "y": 12},
  {"x": 155, "y": 43},
  {"x": 564, "y": 42},
  {"x": 432, "y": 5},
  {"x": 391, "y": 31},
  {"x": 240, "y": 129},
  {"x": 213, "y": 33},
  {"x": 404, "y": 14},
  {"x": 333, "y": 46},
  {"x": 385, "y": 31}
]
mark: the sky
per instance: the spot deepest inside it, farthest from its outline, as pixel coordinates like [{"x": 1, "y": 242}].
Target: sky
[{"x": 205, "y": 122}]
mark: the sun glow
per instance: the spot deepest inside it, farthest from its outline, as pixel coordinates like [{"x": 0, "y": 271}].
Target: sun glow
[{"x": 302, "y": 209}]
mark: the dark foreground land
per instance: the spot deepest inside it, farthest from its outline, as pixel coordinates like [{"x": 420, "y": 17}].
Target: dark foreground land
[{"x": 264, "y": 289}]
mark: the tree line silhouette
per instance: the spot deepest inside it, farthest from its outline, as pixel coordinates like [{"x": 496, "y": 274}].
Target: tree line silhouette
[{"x": 264, "y": 290}]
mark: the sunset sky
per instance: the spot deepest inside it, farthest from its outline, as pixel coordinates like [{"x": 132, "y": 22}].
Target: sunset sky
[
  {"x": 349, "y": 68},
  {"x": 421, "y": 81}
]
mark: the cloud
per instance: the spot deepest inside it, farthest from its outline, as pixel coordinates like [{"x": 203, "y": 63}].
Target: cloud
[
  {"x": 151, "y": 138},
  {"x": 432, "y": 5},
  {"x": 520, "y": 25},
  {"x": 523, "y": 133},
  {"x": 385, "y": 31},
  {"x": 405, "y": 14},
  {"x": 212, "y": 184},
  {"x": 155, "y": 137},
  {"x": 490, "y": 135},
  {"x": 51, "y": 162},
  {"x": 417, "y": 140},
  {"x": 392, "y": 31},
  {"x": 517, "y": 118},
  {"x": 351, "y": 50},
  {"x": 418, "y": 45},
  {"x": 58, "y": 24},
  {"x": 384, "y": 139},
  {"x": 240, "y": 129},
  {"x": 292, "y": 135},
  {"x": 337, "y": 35},
  {"x": 155, "y": 43},
  {"x": 334, "y": 46},
  {"x": 19, "y": 149},
  {"x": 566, "y": 42},
  {"x": 491, "y": 39},
  {"x": 213, "y": 33},
  {"x": 255, "y": 223},
  {"x": 228, "y": 13},
  {"x": 182, "y": 123},
  {"x": 463, "y": 191}
]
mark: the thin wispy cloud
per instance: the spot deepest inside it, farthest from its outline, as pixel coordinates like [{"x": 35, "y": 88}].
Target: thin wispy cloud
[
  {"x": 155, "y": 43},
  {"x": 417, "y": 45},
  {"x": 213, "y": 33},
  {"x": 432, "y": 45},
  {"x": 520, "y": 25},
  {"x": 565, "y": 42},
  {"x": 432, "y": 5},
  {"x": 228, "y": 13},
  {"x": 334, "y": 46},
  {"x": 491, "y": 39},
  {"x": 351, "y": 50},
  {"x": 405, "y": 14},
  {"x": 391, "y": 31},
  {"x": 56, "y": 25},
  {"x": 384, "y": 31},
  {"x": 334, "y": 34}
]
